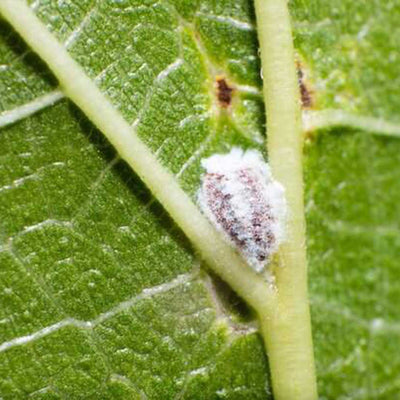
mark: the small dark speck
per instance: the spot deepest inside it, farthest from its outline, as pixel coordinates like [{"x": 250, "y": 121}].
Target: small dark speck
[
  {"x": 305, "y": 93},
  {"x": 224, "y": 92}
]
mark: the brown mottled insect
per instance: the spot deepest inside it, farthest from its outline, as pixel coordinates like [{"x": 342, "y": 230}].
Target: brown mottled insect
[{"x": 242, "y": 200}]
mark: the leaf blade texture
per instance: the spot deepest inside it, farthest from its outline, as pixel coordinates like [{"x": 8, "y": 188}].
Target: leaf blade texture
[{"x": 87, "y": 253}]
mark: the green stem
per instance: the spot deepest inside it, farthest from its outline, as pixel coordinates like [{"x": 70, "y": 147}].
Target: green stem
[{"x": 286, "y": 327}]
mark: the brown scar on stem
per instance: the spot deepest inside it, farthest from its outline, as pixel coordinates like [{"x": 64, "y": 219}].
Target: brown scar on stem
[
  {"x": 224, "y": 92},
  {"x": 306, "y": 93}
]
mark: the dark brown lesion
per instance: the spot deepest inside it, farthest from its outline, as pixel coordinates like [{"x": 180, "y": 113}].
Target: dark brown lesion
[
  {"x": 306, "y": 94},
  {"x": 224, "y": 92}
]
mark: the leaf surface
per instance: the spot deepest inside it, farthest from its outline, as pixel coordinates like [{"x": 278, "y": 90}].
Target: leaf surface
[{"x": 102, "y": 296}]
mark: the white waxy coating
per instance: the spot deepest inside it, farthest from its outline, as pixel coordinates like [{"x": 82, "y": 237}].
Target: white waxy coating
[{"x": 242, "y": 200}]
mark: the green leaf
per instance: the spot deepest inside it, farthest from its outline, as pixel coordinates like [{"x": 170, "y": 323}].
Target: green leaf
[{"x": 102, "y": 296}]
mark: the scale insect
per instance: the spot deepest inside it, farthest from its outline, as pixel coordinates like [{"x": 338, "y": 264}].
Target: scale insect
[{"x": 242, "y": 200}]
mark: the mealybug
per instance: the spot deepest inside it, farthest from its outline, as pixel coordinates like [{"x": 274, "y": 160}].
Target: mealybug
[{"x": 241, "y": 199}]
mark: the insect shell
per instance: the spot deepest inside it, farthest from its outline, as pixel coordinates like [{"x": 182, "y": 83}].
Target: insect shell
[{"x": 242, "y": 200}]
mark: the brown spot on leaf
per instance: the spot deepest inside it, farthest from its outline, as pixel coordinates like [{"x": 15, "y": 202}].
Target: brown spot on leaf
[
  {"x": 305, "y": 92},
  {"x": 224, "y": 92},
  {"x": 309, "y": 136}
]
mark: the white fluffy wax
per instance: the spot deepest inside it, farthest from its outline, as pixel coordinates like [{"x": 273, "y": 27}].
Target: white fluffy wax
[{"x": 265, "y": 196}]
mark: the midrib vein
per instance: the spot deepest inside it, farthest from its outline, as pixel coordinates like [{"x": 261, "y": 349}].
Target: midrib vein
[{"x": 287, "y": 329}]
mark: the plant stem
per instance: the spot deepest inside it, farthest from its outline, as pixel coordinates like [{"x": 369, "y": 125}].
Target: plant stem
[
  {"x": 219, "y": 255},
  {"x": 287, "y": 326}
]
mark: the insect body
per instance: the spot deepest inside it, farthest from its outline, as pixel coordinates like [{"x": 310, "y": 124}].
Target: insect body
[{"x": 241, "y": 199}]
